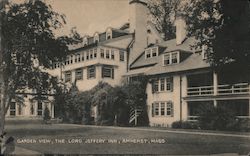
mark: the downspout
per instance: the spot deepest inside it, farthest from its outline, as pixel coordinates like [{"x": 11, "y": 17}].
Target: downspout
[{"x": 180, "y": 98}]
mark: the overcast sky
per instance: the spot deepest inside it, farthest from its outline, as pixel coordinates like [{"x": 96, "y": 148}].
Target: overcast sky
[{"x": 89, "y": 16}]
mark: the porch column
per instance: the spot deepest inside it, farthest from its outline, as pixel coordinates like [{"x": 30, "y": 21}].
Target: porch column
[
  {"x": 52, "y": 110},
  {"x": 184, "y": 104},
  {"x": 215, "y": 86}
]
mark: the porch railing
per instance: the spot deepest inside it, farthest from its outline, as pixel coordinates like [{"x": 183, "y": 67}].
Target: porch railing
[
  {"x": 233, "y": 89},
  {"x": 200, "y": 91},
  {"x": 221, "y": 90}
]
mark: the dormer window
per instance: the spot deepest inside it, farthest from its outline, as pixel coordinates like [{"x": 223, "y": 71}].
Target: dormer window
[
  {"x": 151, "y": 52},
  {"x": 85, "y": 41},
  {"x": 171, "y": 58},
  {"x": 96, "y": 38},
  {"x": 109, "y": 34}
]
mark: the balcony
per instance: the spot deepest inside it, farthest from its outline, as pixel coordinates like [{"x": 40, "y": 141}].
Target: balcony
[{"x": 240, "y": 88}]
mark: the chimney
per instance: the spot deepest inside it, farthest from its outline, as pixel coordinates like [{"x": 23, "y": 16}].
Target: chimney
[
  {"x": 138, "y": 25},
  {"x": 181, "y": 30}
]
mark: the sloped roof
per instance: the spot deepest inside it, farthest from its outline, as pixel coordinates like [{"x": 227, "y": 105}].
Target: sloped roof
[
  {"x": 193, "y": 62},
  {"x": 170, "y": 45},
  {"x": 120, "y": 42},
  {"x": 137, "y": 71}
]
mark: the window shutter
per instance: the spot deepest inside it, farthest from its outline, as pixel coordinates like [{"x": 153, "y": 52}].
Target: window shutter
[{"x": 153, "y": 108}]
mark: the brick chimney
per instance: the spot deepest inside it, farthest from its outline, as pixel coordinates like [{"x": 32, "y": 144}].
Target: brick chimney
[
  {"x": 181, "y": 30},
  {"x": 138, "y": 25}
]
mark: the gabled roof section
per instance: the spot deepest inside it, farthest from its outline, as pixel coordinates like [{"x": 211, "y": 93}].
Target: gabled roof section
[
  {"x": 185, "y": 46},
  {"x": 169, "y": 46},
  {"x": 121, "y": 42},
  {"x": 193, "y": 62}
]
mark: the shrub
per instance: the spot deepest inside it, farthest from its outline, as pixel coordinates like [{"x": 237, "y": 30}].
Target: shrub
[
  {"x": 46, "y": 116},
  {"x": 217, "y": 118},
  {"x": 185, "y": 125}
]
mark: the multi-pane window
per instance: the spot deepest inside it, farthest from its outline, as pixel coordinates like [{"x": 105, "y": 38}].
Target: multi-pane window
[
  {"x": 107, "y": 54},
  {"x": 95, "y": 53},
  {"x": 79, "y": 74},
  {"x": 19, "y": 109},
  {"x": 169, "y": 83},
  {"x": 39, "y": 108},
  {"x": 163, "y": 109},
  {"x": 108, "y": 72},
  {"x": 163, "y": 84},
  {"x": 174, "y": 58},
  {"x": 151, "y": 52},
  {"x": 68, "y": 76},
  {"x": 77, "y": 58},
  {"x": 91, "y": 54},
  {"x": 154, "y": 52},
  {"x": 91, "y": 72},
  {"x": 32, "y": 109},
  {"x": 148, "y": 53},
  {"x": 112, "y": 55},
  {"x": 87, "y": 55},
  {"x": 170, "y": 110},
  {"x": 71, "y": 59},
  {"x": 155, "y": 109},
  {"x": 122, "y": 56},
  {"x": 166, "y": 59},
  {"x": 102, "y": 53},
  {"x": 171, "y": 58},
  {"x": 12, "y": 108},
  {"x": 156, "y": 85}
]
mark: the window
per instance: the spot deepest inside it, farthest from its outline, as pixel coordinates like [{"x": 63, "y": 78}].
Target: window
[
  {"x": 79, "y": 74},
  {"x": 166, "y": 59},
  {"x": 162, "y": 84},
  {"x": 68, "y": 76},
  {"x": 91, "y": 54},
  {"x": 170, "y": 110},
  {"x": 107, "y": 54},
  {"x": 87, "y": 55},
  {"x": 95, "y": 53},
  {"x": 108, "y": 34},
  {"x": 77, "y": 58},
  {"x": 108, "y": 72},
  {"x": 148, "y": 53},
  {"x": 91, "y": 72},
  {"x": 163, "y": 109},
  {"x": 102, "y": 53},
  {"x": 169, "y": 83},
  {"x": 174, "y": 58},
  {"x": 171, "y": 58},
  {"x": 71, "y": 59},
  {"x": 13, "y": 109},
  {"x": 151, "y": 52},
  {"x": 96, "y": 38},
  {"x": 155, "y": 109},
  {"x": 39, "y": 108},
  {"x": 67, "y": 60},
  {"x": 122, "y": 56},
  {"x": 154, "y": 52},
  {"x": 156, "y": 85},
  {"x": 112, "y": 55}
]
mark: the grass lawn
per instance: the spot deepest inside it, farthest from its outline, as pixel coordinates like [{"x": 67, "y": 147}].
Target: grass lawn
[{"x": 128, "y": 141}]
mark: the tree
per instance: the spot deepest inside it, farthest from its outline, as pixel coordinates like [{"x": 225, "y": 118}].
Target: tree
[
  {"x": 222, "y": 28},
  {"x": 29, "y": 46},
  {"x": 162, "y": 15}
]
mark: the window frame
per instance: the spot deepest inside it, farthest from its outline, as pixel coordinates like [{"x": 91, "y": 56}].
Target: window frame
[
  {"x": 111, "y": 70},
  {"x": 77, "y": 76},
  {"x": 67, "y": 77},
  {"x": 89, "y": 72}
]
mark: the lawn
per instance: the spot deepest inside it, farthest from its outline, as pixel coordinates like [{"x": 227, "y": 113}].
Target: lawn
[{"x": 74, "y": 139}]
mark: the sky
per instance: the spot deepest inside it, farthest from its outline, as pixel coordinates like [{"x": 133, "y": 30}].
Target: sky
[{"x": 90, "y": 16}]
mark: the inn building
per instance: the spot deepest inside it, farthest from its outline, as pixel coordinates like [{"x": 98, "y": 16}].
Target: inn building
[{"x": 180, "y": 78}]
